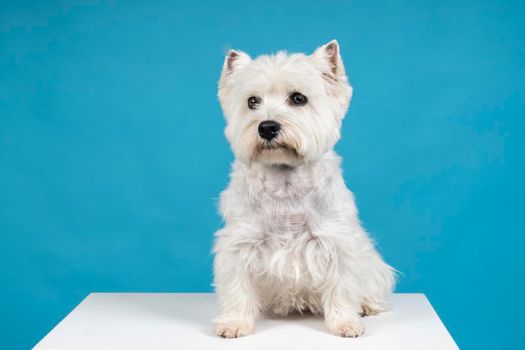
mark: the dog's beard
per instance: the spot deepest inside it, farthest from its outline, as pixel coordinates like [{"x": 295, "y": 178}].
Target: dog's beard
[
  {"x": 284, "y": 149},
  {"x": 275, "y": 152}
]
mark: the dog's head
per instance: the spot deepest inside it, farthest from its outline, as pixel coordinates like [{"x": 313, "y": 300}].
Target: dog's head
[{"x": 284, "y": 109}]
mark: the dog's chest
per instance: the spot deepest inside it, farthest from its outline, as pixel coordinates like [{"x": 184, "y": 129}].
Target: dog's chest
[
  {"x": 285, "y": 210},
  {"x": 285, "y": 202}
]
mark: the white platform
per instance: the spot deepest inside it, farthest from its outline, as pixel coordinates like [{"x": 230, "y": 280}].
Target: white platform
[{"x": 143, "y": 321}]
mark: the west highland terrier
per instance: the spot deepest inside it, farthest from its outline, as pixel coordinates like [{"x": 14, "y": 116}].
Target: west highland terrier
[{"x": 292, "y": 240}]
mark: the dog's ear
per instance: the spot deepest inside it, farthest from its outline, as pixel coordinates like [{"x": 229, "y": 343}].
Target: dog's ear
[
  {"x": 329, "y": 57},
  {"x": 234, "y": 60}
]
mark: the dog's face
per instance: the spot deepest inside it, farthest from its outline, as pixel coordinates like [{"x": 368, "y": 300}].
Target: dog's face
[{"x": 284, "y": 109}]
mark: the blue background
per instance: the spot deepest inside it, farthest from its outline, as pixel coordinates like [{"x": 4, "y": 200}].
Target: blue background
[{"x": 112, "y": 152}]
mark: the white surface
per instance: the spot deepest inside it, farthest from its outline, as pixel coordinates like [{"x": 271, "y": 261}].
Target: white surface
[{"x": 133, "y": 321}]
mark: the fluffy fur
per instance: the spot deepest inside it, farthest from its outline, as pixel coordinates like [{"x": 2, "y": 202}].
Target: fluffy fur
[{"x": 292, "y": 240}]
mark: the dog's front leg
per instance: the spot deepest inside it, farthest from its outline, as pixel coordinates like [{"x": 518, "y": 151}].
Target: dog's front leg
[
  {"x": 237, "y": 298},
  {"x": 341, "y": 311}
]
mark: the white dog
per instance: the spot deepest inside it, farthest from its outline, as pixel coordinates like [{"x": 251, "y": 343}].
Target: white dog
[{"x": 292, "y": 240}]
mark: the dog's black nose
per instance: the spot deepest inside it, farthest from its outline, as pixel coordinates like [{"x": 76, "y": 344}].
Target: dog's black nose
[{"x": 268, "y": 129}]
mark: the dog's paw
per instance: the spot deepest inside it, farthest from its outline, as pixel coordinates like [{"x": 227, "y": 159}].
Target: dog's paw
[
  {"x": 348, "y": 329},
  {"x": 234, "y": 330}
]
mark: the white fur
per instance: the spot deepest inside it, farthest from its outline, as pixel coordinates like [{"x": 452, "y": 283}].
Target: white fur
[{"x": 292, "y": 240}]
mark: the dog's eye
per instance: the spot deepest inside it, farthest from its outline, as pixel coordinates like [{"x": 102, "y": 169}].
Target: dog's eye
[
  {"x": 253, "y": 102},
  {"x": 298, "y": 99}
]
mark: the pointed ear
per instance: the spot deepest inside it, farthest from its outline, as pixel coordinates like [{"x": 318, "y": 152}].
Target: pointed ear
[
  {"x": 329, "y": 57},
  {"x": 234, "y": 60}
]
